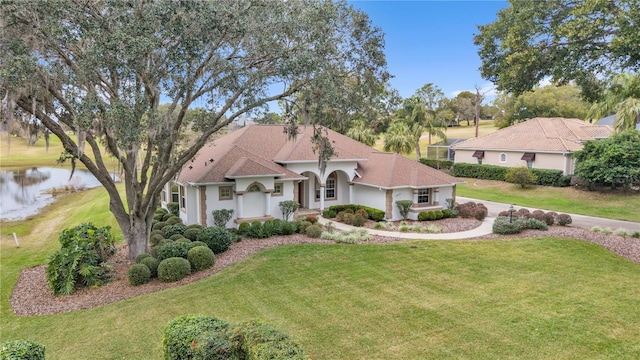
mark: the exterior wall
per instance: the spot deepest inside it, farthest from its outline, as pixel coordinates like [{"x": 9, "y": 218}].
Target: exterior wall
[
  {"x": 189, "y": 214},
  {"x": 400, "y": 194},
  {"x": 348, "y": 167},
  {"x": 554, "y": 161},
  {"x": 214, "y": 203},
  {"x": 369, "y": 196}
]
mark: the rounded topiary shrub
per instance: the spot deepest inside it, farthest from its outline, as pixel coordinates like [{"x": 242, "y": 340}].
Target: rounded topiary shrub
[
  {"x": 174, "y": 220},
  {"x": 358, "y": 220},
  {"x": 155, "y": 239},
  {"x": 214, "y": 345},
  {"x": 174, "y": 229},
  {"x": 217, "y": 238},
  {"x": 152, "y": 263},
  {"x": 194, "y": 226},
  {"x": 201, "y": 257},
  {"x": 138, "y": 274},
  {"x": 198, "y": 243},
  {"x": 142, "y": 256},
  {"x": 563, "y": 219},
  {"x": 176, "y": 237},
  {"x": 173, "y": 269},
  {"x": 173, "y": 249},
  {"x": 243, "y": 228},
  {"x": 22, "y": 350},
  {"x": 191, "y": 233},
  {"x": 180, "y": 333},
  {"x": 168, "y": 216},
  {"x": 159, "y": 225},
  {"x": 329, "y": 214},
  {"x": 314, "y": 231},
  {"x": 302, "y": 226},
  {"x": 438, "y": 215},
  {"x": 502, "y": 226}
]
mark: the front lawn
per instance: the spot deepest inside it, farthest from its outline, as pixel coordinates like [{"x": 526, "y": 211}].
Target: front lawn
[
  {"x": 495, "y": 299},
  {"x": 617, "y": 205}
]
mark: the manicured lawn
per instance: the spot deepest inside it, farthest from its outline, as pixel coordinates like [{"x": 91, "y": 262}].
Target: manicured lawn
[
  {"x": 618, "y": 205},
  {"x": 526, "y": 299}
]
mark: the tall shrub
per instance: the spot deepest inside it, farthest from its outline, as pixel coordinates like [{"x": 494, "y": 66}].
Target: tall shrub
[
  {"x": 288, "y": 208},
  {"x": 221, "y": 217},
  {"x": 404, "y": 206},
  {"x": 521, "y": 175}
]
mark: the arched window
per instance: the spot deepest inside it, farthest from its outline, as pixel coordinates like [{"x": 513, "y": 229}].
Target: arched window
[
  {"x": 503, "y": 158},
  {"x": 253, "y": 188}
]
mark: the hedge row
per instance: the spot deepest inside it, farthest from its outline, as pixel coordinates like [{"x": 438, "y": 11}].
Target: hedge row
[
  {"x": 546, "y": 177},
  {"x": 372, "y": 213},
  {"x": 437, "y": 164}
]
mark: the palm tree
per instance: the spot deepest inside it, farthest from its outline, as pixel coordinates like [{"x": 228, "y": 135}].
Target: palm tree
[
  {"x": 360, "y": 132},
  {"x": 623, "y": 99},
  {"x": 398, "y": 138}
]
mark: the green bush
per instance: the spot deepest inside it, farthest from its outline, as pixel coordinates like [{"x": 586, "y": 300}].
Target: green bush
[
  {"x": 438, "y": 214},
  {"x": 172, "y": 249},
  {"x": 259, "y": 341},
  {"x": 403, "y": 207},
  {"x": 446, "y": 213},
  {"x": 198, "y": 243},
  {"x": 426, "y": 216},
  {"x": 138, "y": 274},
  {"x": 548, "y": 177},
  {"x": 168, "y": 216},
  {"x": 173, "y": 229},
  {"x": 445, "y": 165},
  {"x": 374, "y": 214},
  {"x": 243, "y": 228},
  {"x": 358, "y": 220},
  {"x": 155, "y": 239},
  {"x": 532, "y": 223},
  {"x": 502, "y": 226},
  {"x": 213, "y": 345},
  {"x": 22, "y": 350},
  {"x": 174, "y": 208},
  {"x": 180, "y": 333},
  {"x": 563, "y": 219},
  {"x": 477, "y": 171},
  {"x": 347, "y": 218},
  {"x": 173, "y": 269},
  {"x": 313, "y": 231},
  {"x": 152, "y": 263},
  {"x": 194, "y": 226},
  {"x": 174, "y": 220},
  {"x": 142, "y": 256},
  {"x": 201, "y": 257},
  {"x": 158, "y": 226},
  {"x": 329, "y": 214},
  {"x": 176, "y": 237},
  {"x": 81, "y": 259},
  {"x": 288, "y": 208},
  {"x": 257, "y": 231},
  {"x": 270, "y": 228},
  {"x": 217, "y": 238},
  {"x": 302, "y": 226},
  {"x": 522, "y": 176},
  {"x": 221, "y": 217}
]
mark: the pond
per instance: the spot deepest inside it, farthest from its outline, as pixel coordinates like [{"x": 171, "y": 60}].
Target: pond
[{"x": 24, "y": 192}]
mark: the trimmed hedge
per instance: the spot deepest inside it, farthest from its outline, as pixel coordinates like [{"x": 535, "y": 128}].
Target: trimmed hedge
[
  {"x": 256, "y": 340},
  {"x": 201, "y": 257},
  {"x": 180, "y": 333},
  {"x": 437, "y": 164},
  {"x": 372, "y": 213},
  {"x": 173, "y": 249},
  {"x": 217, "y": 238},
  {"x": 152, "y": 263},
  {"x": 22, "y": 350},
  {"x": 173, "y": 269},
  {"x": 138, "y": 274},
  {"x": 545, "y": 177}
]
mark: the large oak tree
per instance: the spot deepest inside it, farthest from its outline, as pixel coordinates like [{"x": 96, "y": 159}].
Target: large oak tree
[
  {"x": 100, "y": 69},
  {"x": 580, "y": 40}
]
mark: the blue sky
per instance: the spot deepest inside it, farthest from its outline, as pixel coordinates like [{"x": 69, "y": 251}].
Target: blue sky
[{"x": 432, "y": 42}]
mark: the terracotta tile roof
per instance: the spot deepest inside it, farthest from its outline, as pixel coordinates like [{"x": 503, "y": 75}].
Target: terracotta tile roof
[
  {"x": 265, "y": 150},
  {"x": 539, "y": 134}
]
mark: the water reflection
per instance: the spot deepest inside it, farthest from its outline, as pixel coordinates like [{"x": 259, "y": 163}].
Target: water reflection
[{"x": 24, "y": 192}]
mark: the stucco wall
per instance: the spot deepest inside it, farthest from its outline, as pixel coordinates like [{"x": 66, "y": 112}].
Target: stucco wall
[
  {"x": 369, "y": 196},
  {"x": 554, "y": 161}
]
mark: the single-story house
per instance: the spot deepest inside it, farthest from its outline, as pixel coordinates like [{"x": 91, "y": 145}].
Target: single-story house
[
  {"x": 253, "y": 169},
  {"x": 609, "y": 120},
  {"x": 542, "y": 143}
]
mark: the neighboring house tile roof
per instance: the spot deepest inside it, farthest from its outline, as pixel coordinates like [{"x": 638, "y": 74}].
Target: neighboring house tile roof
[
  {"x": 264, "y": 150},
  {"x": 539, "y": 134}
]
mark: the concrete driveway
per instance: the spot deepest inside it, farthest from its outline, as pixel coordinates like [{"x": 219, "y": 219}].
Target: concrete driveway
[{"x": 586, "y": 222}]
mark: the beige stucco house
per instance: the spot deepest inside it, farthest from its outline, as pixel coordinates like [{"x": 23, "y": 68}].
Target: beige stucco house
[
  {"x": 541, "y": 143},
  {"x": 253, "y": 169}
]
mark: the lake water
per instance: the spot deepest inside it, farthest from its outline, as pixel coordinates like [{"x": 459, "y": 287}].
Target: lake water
[{"x": 24, "y": 192}]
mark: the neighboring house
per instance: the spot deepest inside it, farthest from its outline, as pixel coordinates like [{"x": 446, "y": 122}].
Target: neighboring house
[
  {"x": 541, "y": 143},
  {"x": 608, "y": 120},
  {"x": 253, "y": 169}
]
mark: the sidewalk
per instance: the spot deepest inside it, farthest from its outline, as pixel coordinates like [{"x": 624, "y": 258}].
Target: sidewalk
[{"x": 483, "y": 229}]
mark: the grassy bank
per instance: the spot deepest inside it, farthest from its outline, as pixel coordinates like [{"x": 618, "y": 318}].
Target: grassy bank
[{"x": 618, "y": 205}]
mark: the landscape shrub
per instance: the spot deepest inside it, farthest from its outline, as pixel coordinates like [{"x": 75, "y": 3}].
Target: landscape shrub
[
  {"x": 635, "y": 234},
  {"x": 444, "y": 165},
  {"x": 523, "y": 212},
  {"x": 288, "y": 208},
  {"x": 172, "y": 249},
  {"x": 22, "y": 350},
  {"x": 213, "y": 345},
  {"x": 201, "y": 257},
  {"x": 256, "y": 340},
  {"x": 138, "y": 274},
  {"x": 222, "y": 216},
  {"x": 446, "y": 213},
  {"x": 311, "y": 218},
  {"x": 403, "y": 207},
  {"x": 374, "y": 214},
  {"x": 158, "y": 226},
  {"x": 142, "y": 256},
  {"x": 173, "y": 220},
  {"x": 548, "y": 177},
  {"x": 257, "y": 231},
  {"x": 177, "y": 237},
  {"x": 538, "y": 215},
  {"x": 522, "y": 176},
  {"x": 155, "y": 232},
  {"x": 621, "y": 232},
  {"x": 174, "y": 208},
  {"x": 563, "y": 181},
  {"x": 347, "y": 218},
  {"x": 270, "y": 228},
  {"x": 217, "y": 238},
  {"x": 477, "y": 171},
  {"x": 180, "y": 333},
  {"x": 155, "y": 239},
  {"x": 287, "y": 228},
  {"x": 363, "y": 212},
  {"x": 563, "y": 219},
  {"x": 549, "y": 218},
  {"x": 426, "y": 216},
  {"x": 502, "y": 226},
  {"x": 168, "y": 216},
  {"x": 243, "y": 228},
  {"x": 198, "y": 243},
  {"x": 81, "y": 259},
  {"x": 313, "y": 231},
  {"x": 532, "y": 223},
  {"x": 194, "y": 226},
  {"x": 358, "y": 220},
  {"x": 329, "y": 214},
  {"x": 173, "y": 229},
  {"x": 173, "y": 269},
  {"x": 302, "y": 226},
  {"x": 438, "y": 214},
  {"x": 152, "y": 263},
  {"x": 191, "y": 233}
]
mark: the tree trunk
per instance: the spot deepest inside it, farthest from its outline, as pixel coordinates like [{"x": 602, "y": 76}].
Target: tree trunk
[
  {"x": 135, "y": 229},
  {"x": 418, "y": 154}
]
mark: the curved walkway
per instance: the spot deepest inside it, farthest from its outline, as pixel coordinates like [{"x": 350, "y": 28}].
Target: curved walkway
[{"x": 483, "y": 229}]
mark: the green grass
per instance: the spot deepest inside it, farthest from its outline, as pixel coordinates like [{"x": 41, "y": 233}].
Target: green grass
[
  {"x": 619, "y": 206},
  {"x": 525, "y": 299}
]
